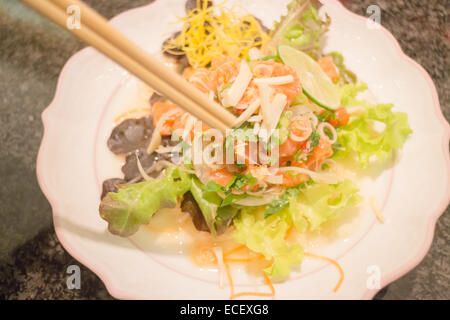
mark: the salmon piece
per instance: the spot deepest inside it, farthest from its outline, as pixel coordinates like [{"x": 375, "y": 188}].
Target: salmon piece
[
  {"x": 172, "y": 122},
  {"x": 321, "y": 152},
  {"x": 294, "y": 179},
  {"x": 328, "y": 66},
  {"x": 290, "y": 90},
  {"x": 289, "y": 148},
  {"x": 224, "y": 70},
  {"x": 342, "y": 117},
  {"x": 221, "y": 176},
  {"x": 301, "y": 127}
]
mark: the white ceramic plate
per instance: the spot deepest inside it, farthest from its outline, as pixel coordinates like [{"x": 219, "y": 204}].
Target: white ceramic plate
[{"x": 73, "y": 161}]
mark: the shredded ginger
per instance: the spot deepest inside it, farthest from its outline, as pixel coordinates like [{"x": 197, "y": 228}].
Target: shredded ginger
[{"x": 210, "y": 32}]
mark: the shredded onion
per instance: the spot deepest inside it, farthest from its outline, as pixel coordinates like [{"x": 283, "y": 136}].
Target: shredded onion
[
  {"x": 168, "y": 149},
  {"x": 256, "y": 128},
  {"x": 141, "y": 169},
  {"x": 184, "y": 169},
  {"x": 248, "y": 113},
  {"x": 276, "y": 80},
  {"x": 376, "y": 209},
  {"x": 237, "y": 89},
  {"x": 254, "y": 201},
  {"x": 218, "y": 252},
  {"x": 257, "y": 118}
]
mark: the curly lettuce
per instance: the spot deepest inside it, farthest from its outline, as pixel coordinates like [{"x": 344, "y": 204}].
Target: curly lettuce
[
  {"x": 362, "y": 137},
  {"x": 300, "y": 28},
  {"x": 307, "y": 210},
  {"x": 266, "y": 236},
  {"x": 218, "y": 214},
  {"x": 134, "y": 204},
  {"x": 321, "y": 203}
]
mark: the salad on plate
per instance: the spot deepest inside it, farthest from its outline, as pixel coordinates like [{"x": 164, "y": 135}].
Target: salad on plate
[{"x": 286, "y": 168}]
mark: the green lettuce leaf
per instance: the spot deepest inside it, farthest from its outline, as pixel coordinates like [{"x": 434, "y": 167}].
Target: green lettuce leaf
[
  {"x": 300, "y": 28},
  {"x": 208, "y": 202},
  {"x": 307, "y": 210},
  {"x": 359, "y": 138},
  {"x": 218, "y": 212},
  {"x": 266, "y": 236},
  {"x": 135, "y": 204},
  {"x": 320, "y": 203}
]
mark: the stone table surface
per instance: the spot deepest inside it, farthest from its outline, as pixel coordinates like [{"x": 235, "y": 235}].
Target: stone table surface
[{"x": 32, "y": 52}]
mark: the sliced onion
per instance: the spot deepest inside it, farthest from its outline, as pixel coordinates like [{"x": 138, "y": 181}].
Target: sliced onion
[
  {"x": 305, "y": 108},
  {"x": 307, "y": 129},
  {"x": 322, "y": 133}
]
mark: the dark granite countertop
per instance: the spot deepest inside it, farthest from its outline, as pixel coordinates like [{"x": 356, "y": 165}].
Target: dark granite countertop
[{"x": 32, "y": 52}]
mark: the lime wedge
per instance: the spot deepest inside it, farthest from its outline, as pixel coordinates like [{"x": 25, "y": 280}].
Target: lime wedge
[{"x": 316, "y": 84}]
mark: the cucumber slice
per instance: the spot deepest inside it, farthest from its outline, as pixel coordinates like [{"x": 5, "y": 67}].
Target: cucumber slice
[{"x": 315, "y": 83}]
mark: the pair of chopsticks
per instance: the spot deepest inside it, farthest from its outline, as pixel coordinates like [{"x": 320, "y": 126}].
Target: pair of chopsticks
[{"x": 96, "y": 31}]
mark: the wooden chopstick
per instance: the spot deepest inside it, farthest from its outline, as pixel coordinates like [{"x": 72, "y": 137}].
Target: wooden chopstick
[
  {"x": 114, "y": 45},
  {"x": 100, "y": 25}
]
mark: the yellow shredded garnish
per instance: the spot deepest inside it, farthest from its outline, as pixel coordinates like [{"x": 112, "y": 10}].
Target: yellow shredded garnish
[{"x": 215, "y": 31}]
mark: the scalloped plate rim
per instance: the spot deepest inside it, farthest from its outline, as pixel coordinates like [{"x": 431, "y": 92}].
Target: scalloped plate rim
[{"x": 406, "y": 267}]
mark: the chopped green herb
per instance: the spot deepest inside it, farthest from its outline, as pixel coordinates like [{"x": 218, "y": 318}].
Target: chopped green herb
[
  {"x": 279, "y": 204},
  {"x": 314, "y": 138},
  {"x": 241, "y": 167},
  {"x": 297, "y": 154},
  {"x": 327, "y": 115},
  {"x": 275, "y": 57}
]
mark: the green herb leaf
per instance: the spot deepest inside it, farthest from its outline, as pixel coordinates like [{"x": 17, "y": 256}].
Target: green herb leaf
[
  {"x": 232, "y": 198},
  {"x": 212, "y": 187}
]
